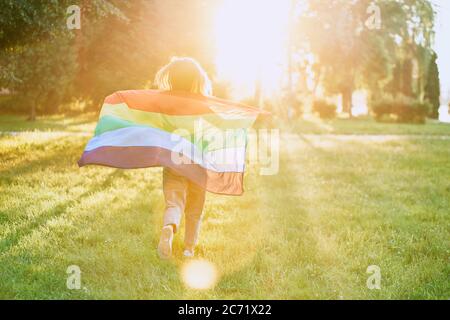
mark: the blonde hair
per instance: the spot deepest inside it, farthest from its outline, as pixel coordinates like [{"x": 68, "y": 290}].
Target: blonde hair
[{"x": 183, "y": 74}]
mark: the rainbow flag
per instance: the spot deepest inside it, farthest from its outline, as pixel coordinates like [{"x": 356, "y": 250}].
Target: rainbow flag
[{"x": 201, "y": 138}]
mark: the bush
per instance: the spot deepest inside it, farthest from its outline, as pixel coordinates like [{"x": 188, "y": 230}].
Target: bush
[
  {"x": 416, "y": 112},
  {"x": 382, "y": 107},
  {"x": 324, "y": 109},
  {"x": 403, "y": 109}
]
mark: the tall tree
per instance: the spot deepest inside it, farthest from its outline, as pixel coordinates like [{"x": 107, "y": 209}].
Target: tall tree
[
  {"x": 37, "y": 58},
  {"x": 124, "y": 51},
  {"x": 335, "y": 32},
  {"x": 41, "y": 74},
  {"x": 432, "y": 89},
  {"x": 350, "y": 55}
]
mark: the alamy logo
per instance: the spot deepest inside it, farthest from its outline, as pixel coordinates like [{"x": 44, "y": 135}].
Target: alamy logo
[
  {"x": 374, "y": 20},
  {"x": 74, "y": 277},
  {"x": 374, "y": 281},
  {"x": 74, "y": 19}
]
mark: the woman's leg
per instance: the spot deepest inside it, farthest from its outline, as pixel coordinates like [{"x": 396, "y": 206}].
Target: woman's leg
[
  {"x": 174, "y": 188},
  {"x": 195, "y": 201}
]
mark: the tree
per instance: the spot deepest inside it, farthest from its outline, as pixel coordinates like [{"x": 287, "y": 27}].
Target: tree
[
  {"x": 120, "y": 46},
  {"x": 335, "y": 32},
  {"x": 432, "y": 89},
  {"x": 41, "y": 71},
  {"x": 30, "y": 21},
  {"x": 350, "y": 55},
  {"x": 145, "y": 36},
  {"x": 37, "y": 58}
]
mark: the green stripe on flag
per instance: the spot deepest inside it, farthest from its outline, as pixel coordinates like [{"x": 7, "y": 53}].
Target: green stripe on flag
[{"x": 207, "y": 137}]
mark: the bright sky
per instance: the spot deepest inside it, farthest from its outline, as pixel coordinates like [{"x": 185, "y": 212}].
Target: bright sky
[{"x": 442, "y": 45}]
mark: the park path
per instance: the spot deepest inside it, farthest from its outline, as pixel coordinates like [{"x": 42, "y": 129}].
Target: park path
[
  {"x": 374, "y": 137},
  {"x": 339, "y": 136}
]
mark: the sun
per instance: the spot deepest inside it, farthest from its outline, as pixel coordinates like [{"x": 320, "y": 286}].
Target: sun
[{"x": 251, "y": 40}]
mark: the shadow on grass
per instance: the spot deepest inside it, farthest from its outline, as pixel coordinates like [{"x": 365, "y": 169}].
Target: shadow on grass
[
  {"x": 27, "y": 166},
  {"x": 311, "y": 247},
  {"x": 127, "y": 256},
  {"x": 16, "y": 123},
  {"x": 56, "y": 211},
  {"x": 271, "y": 266},
  {"x": 335, "y": 220}
]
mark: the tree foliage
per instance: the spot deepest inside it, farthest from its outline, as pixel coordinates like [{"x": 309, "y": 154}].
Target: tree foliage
[
  {"x": 37, "y": 53},
  {"x": 349, "y": 55},
  {"x": 143, "y": 39},
  {"x": 432, "y": 89},
  {"x": 122, "y": 43},
  {"x": 119, "y": 46}
]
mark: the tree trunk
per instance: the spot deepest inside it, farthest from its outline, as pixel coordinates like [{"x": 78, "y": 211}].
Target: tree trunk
[
  {"x": 347, "y": 101},
  {"x": 32, "y": 112}
]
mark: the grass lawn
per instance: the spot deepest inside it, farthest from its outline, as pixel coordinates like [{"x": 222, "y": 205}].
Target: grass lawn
[
  {"x": 81, "y": 123},
  {"x": 339, "y": 203},
  {"x": 365, "y": 125}
]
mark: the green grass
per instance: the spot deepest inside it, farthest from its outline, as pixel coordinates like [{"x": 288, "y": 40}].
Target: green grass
[
  {"x": 80, "y": 123},
  {"x": 338, "y": 204},
  {"x": 366, "y": 125}
]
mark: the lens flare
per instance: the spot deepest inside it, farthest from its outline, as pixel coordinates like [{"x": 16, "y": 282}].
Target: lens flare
[{"x": 199, "y": 274}]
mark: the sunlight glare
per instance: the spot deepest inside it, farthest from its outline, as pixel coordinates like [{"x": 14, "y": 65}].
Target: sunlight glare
[
  {"x": 251, "y": 40},
  {"x": 199, "y": 274}
]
